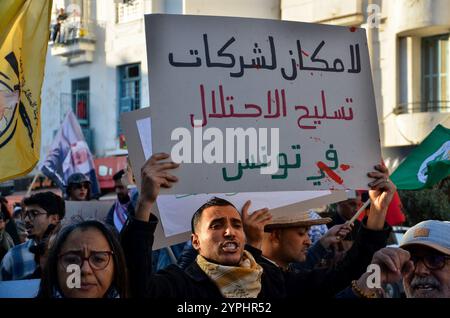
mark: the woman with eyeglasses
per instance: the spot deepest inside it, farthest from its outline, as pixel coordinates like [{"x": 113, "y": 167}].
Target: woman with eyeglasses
[
  {"x": 78, "y": 187},
  {"x": 85, "y": 261}
]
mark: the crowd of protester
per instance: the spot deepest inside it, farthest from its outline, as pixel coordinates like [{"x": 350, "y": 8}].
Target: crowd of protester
[{"x": 231, "y": 254}]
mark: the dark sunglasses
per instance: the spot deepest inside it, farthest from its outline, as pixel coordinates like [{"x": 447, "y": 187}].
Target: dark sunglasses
[
  {"x": 433, "y": 261},
  {"x": 81, "y": 185}
]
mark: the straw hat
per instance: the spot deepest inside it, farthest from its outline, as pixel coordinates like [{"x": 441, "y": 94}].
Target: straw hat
[{"x": 300, "y": 219}]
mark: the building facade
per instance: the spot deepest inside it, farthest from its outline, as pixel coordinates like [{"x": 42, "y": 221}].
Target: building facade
[{"x": 97, "y": 64}]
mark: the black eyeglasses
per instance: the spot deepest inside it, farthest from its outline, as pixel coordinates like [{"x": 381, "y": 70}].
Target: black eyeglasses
[
  {"x": 433, "y": 261},
  {"x": 81, "y": 185},
  {"x": 97, "y": 260},
  {"x": 32, "y": 214}
]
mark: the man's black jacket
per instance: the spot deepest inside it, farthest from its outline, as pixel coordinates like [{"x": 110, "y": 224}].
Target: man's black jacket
[{"x": 192, "y": 283}]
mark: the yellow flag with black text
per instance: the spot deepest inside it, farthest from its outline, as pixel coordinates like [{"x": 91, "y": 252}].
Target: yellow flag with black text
[{"x": 24, "y": 33}]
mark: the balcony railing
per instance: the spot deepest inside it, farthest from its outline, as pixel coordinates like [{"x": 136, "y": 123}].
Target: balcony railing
[
  {"x": 75, "y": 41},
  {"x": 440, "y": 106},
  {"x": 129, "y": 10},
  {"x": 71, "y": 30}
]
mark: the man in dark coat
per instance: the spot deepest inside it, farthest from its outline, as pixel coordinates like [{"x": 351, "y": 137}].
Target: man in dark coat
[{"x": 226, "y": 266}]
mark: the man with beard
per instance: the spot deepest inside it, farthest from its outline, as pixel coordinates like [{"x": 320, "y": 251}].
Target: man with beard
[
  {"x": 42, "y": 212},
  {"x": 286, "y": 240},
  {"x": 123, "y": 207},
  {"x": 422, "y": 261}
]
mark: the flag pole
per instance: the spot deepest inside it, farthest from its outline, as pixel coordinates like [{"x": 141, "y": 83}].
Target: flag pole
[
  {"x": 31, "y": 185},
  {"x": 361, "y": 209}
]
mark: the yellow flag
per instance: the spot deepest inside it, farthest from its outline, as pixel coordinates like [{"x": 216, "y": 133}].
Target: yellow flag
[{"x": 24, "y": 33}]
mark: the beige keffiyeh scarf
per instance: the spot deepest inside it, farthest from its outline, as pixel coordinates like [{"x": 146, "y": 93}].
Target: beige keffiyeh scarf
[{"x": 243, "y": 281}]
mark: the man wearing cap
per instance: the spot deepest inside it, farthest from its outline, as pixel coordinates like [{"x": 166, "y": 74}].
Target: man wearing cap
[
  {"x": 286, "y": 240},
  {"x": 422, "y": 261},
  {"x": 20, "y": 224},
  {"x": 78, "y": 187}
]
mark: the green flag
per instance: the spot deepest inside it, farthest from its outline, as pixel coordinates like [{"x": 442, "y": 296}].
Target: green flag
[{"x": 427, "y": 164}]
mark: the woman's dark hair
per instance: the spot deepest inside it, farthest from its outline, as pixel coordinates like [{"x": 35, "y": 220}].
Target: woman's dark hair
[{"x": 49, "y": 281}]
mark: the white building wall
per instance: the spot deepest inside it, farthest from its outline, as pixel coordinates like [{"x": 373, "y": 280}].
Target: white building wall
[
  {"x": 116, "y": 44},
  {"x": 265, "y": 9},
  {"x": 413, "y": 18},
  {"x": 348, "y": 12}
]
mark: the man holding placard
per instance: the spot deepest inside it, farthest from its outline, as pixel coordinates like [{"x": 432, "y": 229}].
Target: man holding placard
[{"x": 224, "y": 268}]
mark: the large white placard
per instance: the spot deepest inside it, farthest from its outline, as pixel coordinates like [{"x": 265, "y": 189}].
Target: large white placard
[
  {"x": 311, "y": 82},
  {"x": 175, "y": 211}
]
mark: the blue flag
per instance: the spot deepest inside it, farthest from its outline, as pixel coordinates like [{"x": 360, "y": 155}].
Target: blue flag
[{"x": 69, "y": 154}]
